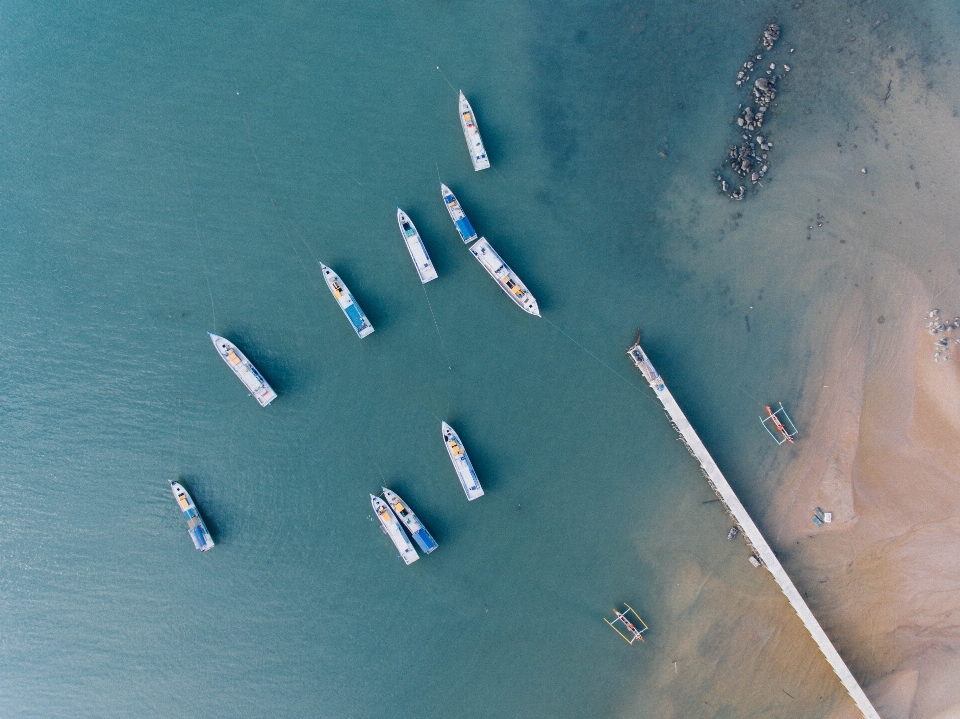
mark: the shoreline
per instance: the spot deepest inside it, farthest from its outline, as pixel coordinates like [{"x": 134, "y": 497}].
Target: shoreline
[
  {"x": 881, "y": 454},
  {"x": 762, "y": 554}
]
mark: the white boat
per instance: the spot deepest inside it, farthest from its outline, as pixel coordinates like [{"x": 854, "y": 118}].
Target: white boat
[
  {"x": 504, "y": 276},
  {"x": 418, "y": 253},
  {"x": 391, "y": 527},
  {"x": 419, "y": 533},
  {"x": 459, "y": 217},
  {"x": 244, "y": 369},
  {"x": 461, "y": 462},
  {"x": 478, "y": 156},
  {"x": 195, "y": 526},
  {"x": 347, "y": 303}
]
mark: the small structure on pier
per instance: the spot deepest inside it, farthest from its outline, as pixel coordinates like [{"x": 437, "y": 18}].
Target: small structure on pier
[
  {"x": 633, "y": 632},
  {"x": 783, "y": 428}
]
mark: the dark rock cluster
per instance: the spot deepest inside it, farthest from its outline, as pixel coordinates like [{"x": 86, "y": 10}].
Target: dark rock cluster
[
  {"x": 770, "y": 36},
  {"x": 748, "y": 158},
  {"x": 937, "y": 325}
]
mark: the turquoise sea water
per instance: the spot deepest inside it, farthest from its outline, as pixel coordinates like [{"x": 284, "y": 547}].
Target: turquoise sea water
[{"x": 177, "y": 169}]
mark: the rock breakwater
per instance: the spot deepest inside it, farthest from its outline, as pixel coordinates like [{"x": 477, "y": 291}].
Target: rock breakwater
[{"x": 749, "y": 158}]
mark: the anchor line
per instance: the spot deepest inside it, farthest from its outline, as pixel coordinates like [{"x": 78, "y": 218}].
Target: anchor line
[
  {"x": 179, "y": 402},
  {"x": 276, "y": 209},
  {"x": 445, "y": 78},
  {"x": 437, "y": 326},
  {"x": 750, "y": 396},
  {"x": 628, "y": 382},
  {"x": 196, "y": 232}
]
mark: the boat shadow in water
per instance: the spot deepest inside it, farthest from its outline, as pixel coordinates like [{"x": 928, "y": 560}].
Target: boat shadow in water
[
  {"x": 277, "y": 364},
  {"x": 205, "y": 506}
]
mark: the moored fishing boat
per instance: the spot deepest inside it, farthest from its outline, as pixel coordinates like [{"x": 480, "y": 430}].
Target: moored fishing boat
[
  {"x": 391, "y": 527},
  {"x": 244, "y": 370},
  {"x": 195, "y": 526},
  {"x": 504, "y": 276},
  {"x": 461, "y": 462},
  {"x": 347, "y": 303},
  {"x": 416, "y": 248},
  {"x": 419, "y": 533},
  {"x": 459, "y": 217},
  {"x": 478, "y": 155}
]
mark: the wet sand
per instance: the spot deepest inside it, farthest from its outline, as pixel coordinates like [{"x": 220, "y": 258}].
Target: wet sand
[
  {"x": 883, "y": 456},
  {"x": 879, "y": 419},
  {"x": 881, "y": 448}
]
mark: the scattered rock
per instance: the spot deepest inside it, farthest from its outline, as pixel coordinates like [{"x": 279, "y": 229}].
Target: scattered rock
[
  {"x": 770, "y": 35},
  {"x": 937, "y": 325}
]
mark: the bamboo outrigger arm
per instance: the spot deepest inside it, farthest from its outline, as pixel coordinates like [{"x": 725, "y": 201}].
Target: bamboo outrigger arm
[{"x": 635, "y": 633}]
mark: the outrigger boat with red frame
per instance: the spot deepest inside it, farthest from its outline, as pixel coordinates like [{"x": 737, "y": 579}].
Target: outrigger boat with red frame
[
  {"x": 785, "y": 434},
  {"x": 632, "y": 630}
]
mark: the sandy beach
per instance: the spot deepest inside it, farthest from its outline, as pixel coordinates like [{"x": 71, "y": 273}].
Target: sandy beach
[
  {"x": 879, "y": 420},
  {"x": 882, "y": 456},
  {"x": 880, "y": 449}
]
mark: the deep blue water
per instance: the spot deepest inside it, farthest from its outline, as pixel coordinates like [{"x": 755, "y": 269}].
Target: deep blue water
[{"x": 177, "y": 169}]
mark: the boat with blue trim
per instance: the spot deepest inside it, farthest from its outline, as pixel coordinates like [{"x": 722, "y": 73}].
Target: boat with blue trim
[
  {"x": 391, "y": 527},
  {"x": 459, "y": 217},
  {"x": 347, "y": 302},
  {"x": 416, "y": 248},
  {"x": 419, "y": 533},
  {"x": 244, "y": 370},
  {"x": 195, "y": 526}
]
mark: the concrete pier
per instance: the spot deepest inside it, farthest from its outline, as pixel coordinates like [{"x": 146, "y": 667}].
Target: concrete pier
[{"x": 751, "y": 532}]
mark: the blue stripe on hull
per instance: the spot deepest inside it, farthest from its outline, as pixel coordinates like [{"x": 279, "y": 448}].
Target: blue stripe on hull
[
  {"x": 426, "y": 542},
  {"x": 465, "y": 229},
  {"x": 199, "y": 537}
]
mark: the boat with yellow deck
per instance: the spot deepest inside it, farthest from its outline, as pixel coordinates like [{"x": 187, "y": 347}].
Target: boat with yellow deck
[
  {"x": 410, "y": 520},
  {"x": 195, "y": 526},
  {"x": 391, "y": 527},
  {"x": 347, "y": 303},
  {"x": 244, "y": 370},
  {"x": 461, "y": 462},
  {"x": 504, "y": 276},
  {"x": 478, "y": 155}
]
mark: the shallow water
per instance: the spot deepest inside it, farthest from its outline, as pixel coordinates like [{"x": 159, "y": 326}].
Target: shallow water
[{"x": 177, "y": 170}]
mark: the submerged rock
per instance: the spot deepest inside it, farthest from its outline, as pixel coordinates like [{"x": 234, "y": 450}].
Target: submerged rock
[{"x": 770, "y": 36}]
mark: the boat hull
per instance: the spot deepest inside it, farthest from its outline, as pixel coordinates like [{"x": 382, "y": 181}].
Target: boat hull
[
  {"x": 391, "y": 527},
  {"x": 468, "y": 121},
  {"x": 416, "y": 248},
  {"x": 461, "y": 462},
  {"x": 504, "y": 276},
  {"x": 345, "y": 300},
  {"x": 459, "y": 217},
  {"x": 410, "y": 520},
  {"x": 195, "y": 526},
  {"x": 244, "y": 370}
]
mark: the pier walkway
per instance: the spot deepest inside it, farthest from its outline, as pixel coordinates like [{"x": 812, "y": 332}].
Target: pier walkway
[{"x": 755, "y": 539}]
